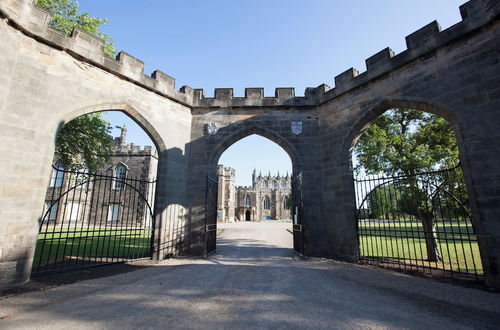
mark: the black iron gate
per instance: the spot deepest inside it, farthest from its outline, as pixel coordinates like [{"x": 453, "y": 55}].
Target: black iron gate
[
  {"x": 297, "y": 205},
  {"x": 93, "y": 219},
  {"x": 420, "y": 223},
  {"x": 211, "y": 215}
]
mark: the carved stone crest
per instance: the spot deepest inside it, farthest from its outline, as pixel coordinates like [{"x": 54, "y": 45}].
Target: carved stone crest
[
  {"x": 212, "y": 128},
  {"x": 296, "y": 127}
]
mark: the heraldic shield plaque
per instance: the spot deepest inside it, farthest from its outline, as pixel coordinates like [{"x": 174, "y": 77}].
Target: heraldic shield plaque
[
  {"x": 296, "y": 127},
  {"x": 212, "y": 128}
]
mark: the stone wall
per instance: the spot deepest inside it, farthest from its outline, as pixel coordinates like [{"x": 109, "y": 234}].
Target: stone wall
[
  {"x": 273, "y": 123},
  {"x": 454, "y": 74},
  {"x": 43, "y": 86}
]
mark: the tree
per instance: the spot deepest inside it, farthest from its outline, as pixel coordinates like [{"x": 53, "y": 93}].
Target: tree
[
  {"x": 288, "y": 201},
  {"x": 85, "y": 142},
  {"x": 66, "y": 16},
  {"x": 406, "y": 142},
  {"x": 382, "y": 202}
]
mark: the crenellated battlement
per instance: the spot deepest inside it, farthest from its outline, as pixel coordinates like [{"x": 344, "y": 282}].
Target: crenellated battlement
[
  {"x": 254, "y": 97},
  {"x": 244, "y": 187},
  {"x": 34, "y": 21},
  {"x": 132, "y": 149},
  {"x": 475, "y": 14}
]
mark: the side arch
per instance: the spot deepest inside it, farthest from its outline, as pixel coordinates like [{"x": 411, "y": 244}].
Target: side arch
[
  {"x": 372, "y": 110},
  {"x": 420, "y": 104},
  {"x": 133, "y": 113}
]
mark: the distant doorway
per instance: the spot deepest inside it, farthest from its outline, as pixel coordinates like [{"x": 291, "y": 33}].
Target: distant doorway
[{"x": 247, "y": 216}]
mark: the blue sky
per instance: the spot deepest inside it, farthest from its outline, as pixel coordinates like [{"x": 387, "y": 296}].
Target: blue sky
[{"x": 272, "y": 43}]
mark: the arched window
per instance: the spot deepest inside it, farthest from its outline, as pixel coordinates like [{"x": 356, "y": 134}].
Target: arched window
[
  {"x": 285, "y": 203},
  {"x": 264, "y": 184},
  {"x": 80, "y": 179},
  {"x": 114, "y": 212},
  {"x": 52, "y": 210},
  {"x": 120, "y": 175},
  {"x": 248, "y": 201},
  {"x": 275, "y": 184},
  {"x": 57, "y": 176},
  {"x": 283, "y": 184},
  {"x": 267, "y": 203}
]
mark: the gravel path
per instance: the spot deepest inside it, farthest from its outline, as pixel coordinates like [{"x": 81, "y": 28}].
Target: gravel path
[{"x": 253, "y": 281}]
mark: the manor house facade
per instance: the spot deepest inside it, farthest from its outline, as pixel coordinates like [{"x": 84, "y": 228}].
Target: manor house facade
[
  {"x": 266, "y": 199},
  {"x": 104, "y": 199}
]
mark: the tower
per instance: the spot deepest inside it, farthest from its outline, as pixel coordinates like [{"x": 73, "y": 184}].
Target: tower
[{"x": 123, "y": 136}]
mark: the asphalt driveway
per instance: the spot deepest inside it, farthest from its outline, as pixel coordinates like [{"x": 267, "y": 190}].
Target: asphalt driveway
[{"x": 254, "y": 281}]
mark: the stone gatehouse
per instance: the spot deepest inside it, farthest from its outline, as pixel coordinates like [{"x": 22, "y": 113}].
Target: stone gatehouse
[{"x": 47, "y": 79}]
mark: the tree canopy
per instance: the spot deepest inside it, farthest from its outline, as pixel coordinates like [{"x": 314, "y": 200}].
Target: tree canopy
[
  {"x": 405, "y": 142},
  {"x": 66, "y": 16},
  {"x": 85, "y": 142}
]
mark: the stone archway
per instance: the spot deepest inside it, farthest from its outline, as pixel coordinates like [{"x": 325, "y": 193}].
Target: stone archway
[{"x": 454, "y": 67}]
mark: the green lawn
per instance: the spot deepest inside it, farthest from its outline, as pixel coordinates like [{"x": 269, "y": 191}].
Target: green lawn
[
  {"x": 403, "y": 241},
  {"x": 100, "y": 243}
]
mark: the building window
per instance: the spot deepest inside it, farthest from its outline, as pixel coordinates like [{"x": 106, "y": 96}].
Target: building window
[
  {"x": 114, "y": 212},
  {"x": 74, "y": 211},
  {"x": 267, "y": 203},
  {"x": 275, "y": 184},
  {"x": 285, "y": 203},
  {"x": 248, "y": 201},
  {"x": 52, "y": 209},
  {"x": 120, "y": 175},
  {"x": 264, "y": 184},
  {"x": 283, "y": 184},
  {"x": 56, "y": 179},
  {"x": 80, "y": 179}
]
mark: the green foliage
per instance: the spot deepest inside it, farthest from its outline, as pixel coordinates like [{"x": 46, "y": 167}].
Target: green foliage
[
  {"x": 66, "y": 16},
  {"x": 405, "y": 142},
  {"x": 288, "y": 202},
  {"x": 383, "y": 202},
  {"x": 85, "y": 142}
]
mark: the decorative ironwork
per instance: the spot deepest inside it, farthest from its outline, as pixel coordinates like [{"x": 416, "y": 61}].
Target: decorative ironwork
[
  {"x": 297, "y": 206},
  {"x": 211, "y": 215},
  {"x": 419, "y": 223},
  {"x": 94, "y": 219}
]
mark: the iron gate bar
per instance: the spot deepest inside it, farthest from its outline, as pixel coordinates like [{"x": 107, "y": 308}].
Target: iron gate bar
[
  {"x": 297, "y": 208},
  {"x": 74, "y": 233},
  {"x": 392, "y": 237},
  {"x": 211, "y": 215}
]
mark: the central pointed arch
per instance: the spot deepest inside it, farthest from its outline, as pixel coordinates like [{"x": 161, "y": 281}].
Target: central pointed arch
[{"x": 243, "y": 133}]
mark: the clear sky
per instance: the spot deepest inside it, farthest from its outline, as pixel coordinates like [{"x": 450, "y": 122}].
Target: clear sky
[{"x": 257, "y": 43}]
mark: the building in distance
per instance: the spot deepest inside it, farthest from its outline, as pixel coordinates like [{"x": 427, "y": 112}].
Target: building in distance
[{"x": 266, "y": 199}]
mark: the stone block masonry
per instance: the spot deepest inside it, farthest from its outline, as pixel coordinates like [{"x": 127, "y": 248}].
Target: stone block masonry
[{"x": 47, "y": 79}]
